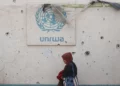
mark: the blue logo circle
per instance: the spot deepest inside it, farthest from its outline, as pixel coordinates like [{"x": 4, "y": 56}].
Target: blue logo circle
[{"x": 46, "y": 20}]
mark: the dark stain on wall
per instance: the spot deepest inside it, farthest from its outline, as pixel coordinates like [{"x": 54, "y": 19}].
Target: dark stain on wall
[
  {"x": 82, "y": 42},
  {"x": 103, "y": 18},
  {"x": 21, "y": 11},
  {"x": 14, "y": 1},
  {"x": 18, "y": 51},
  {"x": 101, "y": 37},
  {"x": 37, "y": 82},
  {"x": 117, "y": 45},
  {"x": 87, "y": 63},
  {"x": 106, "y": 73},
  {"x": 58, "y": 44},
  {"x": 7, "y": 33},
  {"x": 73, "y": 53},
  {"x": 87, "y": 53},
  {"x": 83, "y": 31},
  {"x": 65, "y": 41}
]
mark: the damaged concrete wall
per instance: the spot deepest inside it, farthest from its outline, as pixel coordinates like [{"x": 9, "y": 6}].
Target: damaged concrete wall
[{"x": 96, "y": 52}]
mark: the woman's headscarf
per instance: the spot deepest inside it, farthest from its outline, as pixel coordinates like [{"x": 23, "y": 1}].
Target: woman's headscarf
[{"x": 67, "y": 57}]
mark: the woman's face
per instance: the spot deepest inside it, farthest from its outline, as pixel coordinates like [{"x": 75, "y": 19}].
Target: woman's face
[{"x": 64, "y": 61}]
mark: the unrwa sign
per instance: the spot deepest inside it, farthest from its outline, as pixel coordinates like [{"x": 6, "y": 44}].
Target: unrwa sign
[
  {"x": 44, "y": 29},
  {"x": 46, "y": 21},
  {"x": 51, "y": 39}
]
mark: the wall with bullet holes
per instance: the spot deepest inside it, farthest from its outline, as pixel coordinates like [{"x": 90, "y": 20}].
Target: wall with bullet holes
[{"x": 96, "y": 53}]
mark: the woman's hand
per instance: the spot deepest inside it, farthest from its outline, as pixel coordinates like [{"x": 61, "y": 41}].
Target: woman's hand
[{"x": 60, "y": 75}]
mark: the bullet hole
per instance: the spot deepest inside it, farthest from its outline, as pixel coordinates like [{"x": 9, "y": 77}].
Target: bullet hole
[
  {"x": 42, "y": 77},
  {"x": 87, "y": 63},
  {"x": 101, "y": 37},
  {"x": 99, "y": 32},
  {"x": 6, "y": 74},
  {"x": 97, "y": 9},
  {"x": 21, "y": 11},
  {"x": 14, "y": 1},
  {"x": 83, "y": 31},
  {"x": 50, "y": 51},
  {"x": 106, "y": 73},
  {"x": 103, "y": 18},
  {"x": 82, "y": 42},
  {"x": 109, "y": 41},
  {"x": 37, "y": 82},
  {"x": 87, "y": 53},
  {"x": 17, "y": 73},
  {"x": 102, "y": 69},
  {"x": 7, "y": 33},
  {"x": 118, "y": 46},
  {"x": 38, "y": 62},
  {"x": 58, "y": 44},
  {"x": 22, "y": 28},
  {"x": 89, "y": 36},
  {"x": 18, "y": 51},
  {"x": 65, "y": 41},
  {"x": 94, "y": 61},
  {"x": 73, "y": 53}
]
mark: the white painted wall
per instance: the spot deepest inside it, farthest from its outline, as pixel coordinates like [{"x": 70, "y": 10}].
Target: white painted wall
[{"x": 22, "y": 64}]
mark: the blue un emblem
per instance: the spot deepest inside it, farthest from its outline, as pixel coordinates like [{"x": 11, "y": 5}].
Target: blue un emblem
[{"x": 46, "y": 20}]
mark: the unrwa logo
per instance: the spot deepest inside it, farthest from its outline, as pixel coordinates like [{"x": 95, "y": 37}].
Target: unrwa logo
[{"x": 46, "y": 20}]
